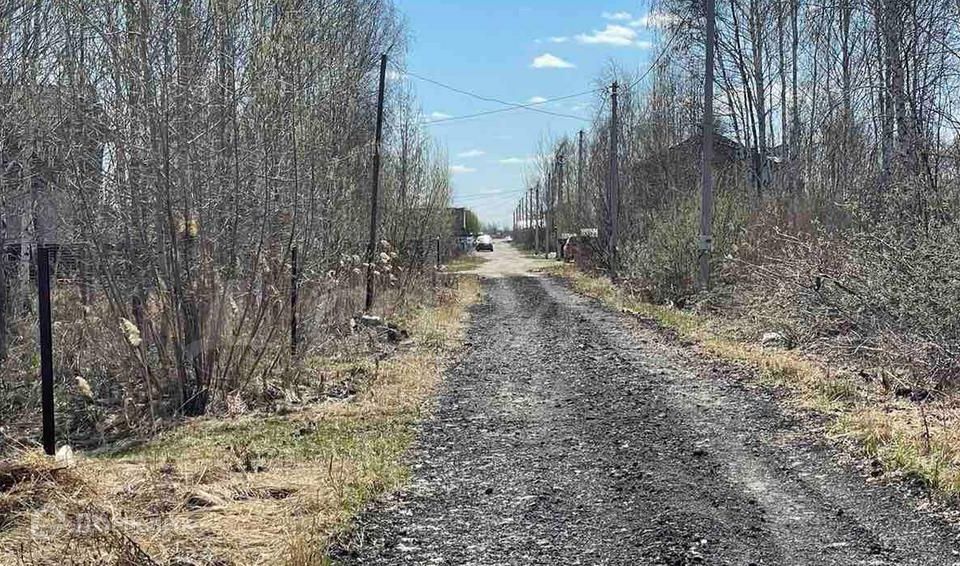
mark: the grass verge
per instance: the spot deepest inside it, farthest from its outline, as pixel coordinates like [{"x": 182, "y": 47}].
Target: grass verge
[
  {"x": 256, "y": 489},
  {"x": 904, "y": 439}
]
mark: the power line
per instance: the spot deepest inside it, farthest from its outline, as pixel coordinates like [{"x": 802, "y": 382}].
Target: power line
[
  {"x": 512, "y": 105},
  {"x": 660, "y": 55},
  {"x": 532, "y": 106},
  {"x": 501, "y": 110}
]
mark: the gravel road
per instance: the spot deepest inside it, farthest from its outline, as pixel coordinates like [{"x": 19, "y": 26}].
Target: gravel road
[{"x": 568, "y": 434}]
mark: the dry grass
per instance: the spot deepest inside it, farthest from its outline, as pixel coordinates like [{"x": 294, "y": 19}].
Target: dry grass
[
  {"x": 906, "y": 439},
  {"x": 259, "y": 489}
]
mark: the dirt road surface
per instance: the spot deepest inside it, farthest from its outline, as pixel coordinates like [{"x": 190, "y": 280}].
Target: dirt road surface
[
  {"x": 507, "y": 261},
  {"x": 568, "y": 434}
]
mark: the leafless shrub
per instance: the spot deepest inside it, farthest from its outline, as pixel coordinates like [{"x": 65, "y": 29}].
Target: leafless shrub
[{"x": 175, "y": 154}]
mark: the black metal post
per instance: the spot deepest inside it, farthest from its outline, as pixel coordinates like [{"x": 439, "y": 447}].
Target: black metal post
[
  {"x": 46, "y": 350},
  {"x": 294, "y": 290}
]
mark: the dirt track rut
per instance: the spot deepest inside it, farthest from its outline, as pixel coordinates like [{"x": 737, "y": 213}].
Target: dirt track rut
[{"x": 571, "y": 435}]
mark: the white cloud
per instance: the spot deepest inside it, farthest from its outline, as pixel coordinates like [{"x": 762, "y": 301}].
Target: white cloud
[
  {"x": 614, "y": 34},
  {"x": 439, "y": 116},
  {"x": 558, "y": 39},
  {"x": 472, "y": 153},
  {"x": 656, "y": 19},
  {"x": 536, "y": 100},
  {"x": 548, "y": 61},
  {"x": 617, "y": 16},
  {"x": 517, "y": 160},
  {"x": 459, "y": 169}
]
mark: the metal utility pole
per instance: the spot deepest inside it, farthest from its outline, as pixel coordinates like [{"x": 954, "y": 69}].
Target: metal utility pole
[
  {"x": 580, "y": 214},
  {"x": 374, "y": 207},
  {"x": 613, "y": 187},
  {"x": 706, "y": 166}
]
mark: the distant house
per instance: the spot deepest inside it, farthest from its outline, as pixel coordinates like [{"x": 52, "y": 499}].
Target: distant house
[
  {"x": 678, "y": 166},
  {"x": 725, "y": 150},
  {"x": 458, "y": 221},
  {"x": 460, "y": 224}
]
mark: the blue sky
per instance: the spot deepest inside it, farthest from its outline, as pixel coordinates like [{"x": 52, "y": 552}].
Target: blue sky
[{"x": 514, "y": 50}]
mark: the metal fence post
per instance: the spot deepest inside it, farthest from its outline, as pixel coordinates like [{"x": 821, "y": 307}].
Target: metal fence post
[{"x": 46, "y": 350}]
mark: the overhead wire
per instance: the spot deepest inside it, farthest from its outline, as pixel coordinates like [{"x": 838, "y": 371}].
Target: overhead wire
[
  {"x": 509, "y": 109},
  {"x": 532, "y": 106},
  {"x": 661, "y": 54}
]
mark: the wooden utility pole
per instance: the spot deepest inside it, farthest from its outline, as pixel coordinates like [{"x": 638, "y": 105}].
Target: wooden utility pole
[
  {"x": 580, "y": 215},
  {"x": 706, "y": 166},
  {"x": 613, "y": 188},
  {"x": 374, "y": 207}
]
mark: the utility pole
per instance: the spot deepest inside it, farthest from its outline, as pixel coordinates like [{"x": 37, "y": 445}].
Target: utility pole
[
  {"x": 538, "y": 214},
  {"x": 528, "y": 215},
  {"x": 613, "y": 188},
  {"x": 549, "y": 211},
  {"x": 580, "y": 214},
  {"x": 706, "y": 166},
  {"x": 527, "y": 225},
  {"x": 559, "y": 225},
  {"x": 523, "y": 218},
  {"x": 374, "y": 208}
]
